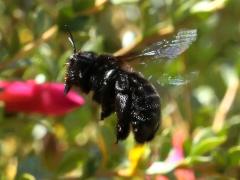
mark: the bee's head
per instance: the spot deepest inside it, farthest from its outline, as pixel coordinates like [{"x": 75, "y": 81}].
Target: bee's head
[{"x": 77, "y": 68}]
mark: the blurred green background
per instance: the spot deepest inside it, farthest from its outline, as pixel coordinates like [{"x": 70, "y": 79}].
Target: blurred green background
[{"x": 34, "y": 45}]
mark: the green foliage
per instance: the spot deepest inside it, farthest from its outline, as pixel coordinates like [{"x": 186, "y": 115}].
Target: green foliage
[
  {"x": 34, "y": 45},
  {"x": 205, "y": 144}
]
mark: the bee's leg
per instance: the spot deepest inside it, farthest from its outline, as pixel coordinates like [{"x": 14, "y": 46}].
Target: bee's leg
[
  {"x": 105, "y": 96},
  {"x": 107, "y": 109},
  {"x": 122, "y": 106},
  {"x": 123, "y": 111}
]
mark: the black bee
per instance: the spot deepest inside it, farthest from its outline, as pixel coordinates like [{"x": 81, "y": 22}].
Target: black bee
[{"x": 135, "y": 101}]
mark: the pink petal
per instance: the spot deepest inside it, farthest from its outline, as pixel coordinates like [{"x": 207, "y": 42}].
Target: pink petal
[
  {"x": 184, "y": 174},
  {"x": 175, "y": 155},
  {"x": 30, "y": 97}
]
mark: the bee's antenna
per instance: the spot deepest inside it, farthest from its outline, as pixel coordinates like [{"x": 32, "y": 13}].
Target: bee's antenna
[{"x": 70, "y": 38}]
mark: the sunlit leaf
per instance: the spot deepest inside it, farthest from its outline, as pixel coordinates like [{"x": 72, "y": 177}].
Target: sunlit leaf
[
  {"x": 27, "y": 176},
  {"x": 197, "y": 159},
  {"x": 202, "y": 134},
  {"x": 234, "y": 155},
  {"x": 207, "y": 145},
  {"x": 229, "y": 75},
  {"x": 208, "y": 6},
  {"x": 123, "y": 1}
]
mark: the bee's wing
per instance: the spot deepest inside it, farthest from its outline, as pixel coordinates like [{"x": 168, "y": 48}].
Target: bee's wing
[
  {"x": 167, "y": 49},
  {"x": 176, "y": 80},
  {"x": 164, "y": 50}
]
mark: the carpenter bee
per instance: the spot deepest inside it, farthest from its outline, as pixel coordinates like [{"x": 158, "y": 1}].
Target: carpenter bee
[{"x": 133, "y": 98}]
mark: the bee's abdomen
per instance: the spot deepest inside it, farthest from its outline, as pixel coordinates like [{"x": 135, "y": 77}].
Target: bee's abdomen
[{"x": 145, "y": 110}]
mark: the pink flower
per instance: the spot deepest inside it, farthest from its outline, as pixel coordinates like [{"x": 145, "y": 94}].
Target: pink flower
[
  {"x": 30, "y": 97},
  {"x": 184, "y": 174},
  {"x": 175, "y": 156}
]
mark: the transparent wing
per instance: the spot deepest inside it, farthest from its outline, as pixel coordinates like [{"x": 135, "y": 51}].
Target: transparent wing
[
  {"x": 164, "y": 50},
  {"x": 178, "y": 80},
  {"x": 172, "y": 48},
  {"x": 168, "y": 49}
]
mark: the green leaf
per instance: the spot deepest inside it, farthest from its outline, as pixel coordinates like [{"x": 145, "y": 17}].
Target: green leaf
[
  {"x": 92, "y": 163},
  {"x": 15, "y": 43},
  {"x": 71, "y": 160},
  {"x": 81, "y": 5},
  {"x": 95, "y": 44},
  {"x": 208, "y": 6},
  {"x": 202, "y": 134},
  {"x": 33, "y": 165},
  {"x": 229, "y": 74},
  {"x": 41, "y": 22},
  {"x": 77, "y": 120},
  {"x": 206, "y": 145},
  {"x": 234, "y": 155},
  {"x": 197, "y": 159},
  {"x": 27, "y": 176},
  {"x": 68, "y": 17},
  {"x": 123, "y": 1}
]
